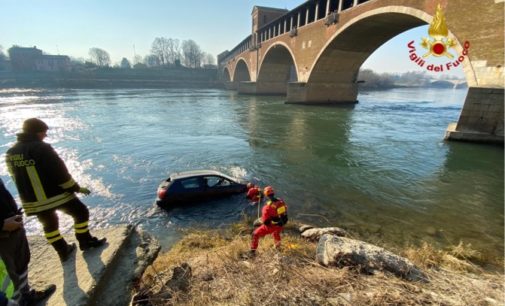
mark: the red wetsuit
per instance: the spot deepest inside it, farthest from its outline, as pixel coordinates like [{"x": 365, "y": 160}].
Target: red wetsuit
[
  {"x": 253, "y": 194},
  {"x": 270, "y": 216}
]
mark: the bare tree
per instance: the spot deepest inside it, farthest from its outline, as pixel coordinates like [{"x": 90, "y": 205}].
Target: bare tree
[
  {"x": 137, "y": 59},
  {"x": 125, "y": 64},
  {"x": 174, "y": 50},
  {"x": 167, "y": 50},
  {"x": 100, "y": 57},
  {"x": 192, "y": 53},
  {"x": 151, "y": 60},
  {"x": 208, "y": 59},
  {"x": 160, "y": 49}
]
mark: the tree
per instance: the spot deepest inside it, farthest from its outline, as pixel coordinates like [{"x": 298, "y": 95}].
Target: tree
[
  {"x": 417, "y": 78},
  {"x": 167, "y": 50},
  {"x": 192, "y": 53},
  {"x": 151, "y": 61},
  {"x": 2, "y": 54},
  {"x": 3, "y": 59},
  {"x": 125, "y": 64},
  {"x": 174, "y": 50},
  {"x": 159, "y": 48},
  {"x": 137, "y": 59},
  {"x": 139, "y": 66},
  {"x": 208, "y": 59},
  {"x": 100, "y": 57},
  {"x": 374, "y": 80}
]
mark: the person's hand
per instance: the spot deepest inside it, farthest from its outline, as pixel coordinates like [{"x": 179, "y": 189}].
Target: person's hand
[
  {"x": 13, "y": 223},
  {"x": 84, "y": 190}
]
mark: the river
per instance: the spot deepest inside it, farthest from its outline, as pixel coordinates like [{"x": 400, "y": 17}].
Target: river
[{"x": 380, "y": 168}]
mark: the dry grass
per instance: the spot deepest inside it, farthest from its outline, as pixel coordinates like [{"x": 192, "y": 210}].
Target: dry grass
[
  {"x": 220, "y": 276},
  {"x": 457, "y": 258}
]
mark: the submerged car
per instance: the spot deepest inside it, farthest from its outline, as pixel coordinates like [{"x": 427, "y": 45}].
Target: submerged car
[{"x": 196, "y": 186}]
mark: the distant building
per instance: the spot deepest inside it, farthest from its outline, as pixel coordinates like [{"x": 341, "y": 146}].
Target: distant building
[
  {"x": 32, "y": 59},
  {"x": 53, "y": 63},
  {"x": 23, "y": 59}
]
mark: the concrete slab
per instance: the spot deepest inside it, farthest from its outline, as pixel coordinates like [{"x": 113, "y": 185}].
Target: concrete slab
[{"x": 86, "y": 276}]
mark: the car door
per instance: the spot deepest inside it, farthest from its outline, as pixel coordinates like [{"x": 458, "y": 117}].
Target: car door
[{"x": 191, "y": 189}]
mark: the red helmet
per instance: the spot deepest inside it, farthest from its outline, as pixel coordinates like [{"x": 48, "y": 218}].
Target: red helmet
[{"x": 268, "y": 191}]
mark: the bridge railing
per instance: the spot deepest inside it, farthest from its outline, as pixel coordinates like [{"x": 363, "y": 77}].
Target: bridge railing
[
  {"x": 241, "y": 47},
  {"x": 304, "y": 14}
]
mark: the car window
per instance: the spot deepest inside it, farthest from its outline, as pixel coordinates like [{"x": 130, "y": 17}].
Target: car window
[
  {"x": 211, "y": 180},
  {"x": 224, "y": 182},
  {"x": 190, "y": 183},
  {"x": 216, "y": 181}
]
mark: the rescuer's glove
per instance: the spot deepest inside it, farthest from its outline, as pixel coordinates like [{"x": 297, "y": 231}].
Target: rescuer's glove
[{"x": 84, "y": 190}]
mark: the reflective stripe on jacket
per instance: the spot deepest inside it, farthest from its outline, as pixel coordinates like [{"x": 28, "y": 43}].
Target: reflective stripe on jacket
[{"x": 41, "y": 177}]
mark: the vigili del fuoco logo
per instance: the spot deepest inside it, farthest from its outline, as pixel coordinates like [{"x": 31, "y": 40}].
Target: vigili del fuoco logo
[{"x": 438, "y": 45}]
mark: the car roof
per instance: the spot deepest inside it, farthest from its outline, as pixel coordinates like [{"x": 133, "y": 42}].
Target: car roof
[{"x": 186, "y": 174}]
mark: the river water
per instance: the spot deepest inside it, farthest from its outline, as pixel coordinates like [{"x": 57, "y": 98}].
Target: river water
[{"x": 380, "y": 169}]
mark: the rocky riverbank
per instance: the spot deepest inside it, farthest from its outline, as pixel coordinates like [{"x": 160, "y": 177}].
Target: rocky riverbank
[{"x": 314, "y": 267}]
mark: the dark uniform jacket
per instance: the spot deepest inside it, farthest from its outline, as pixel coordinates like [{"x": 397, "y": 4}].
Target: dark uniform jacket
[
  {"x": 41, "y": 176},
  {"x": 8, "y": 207}
]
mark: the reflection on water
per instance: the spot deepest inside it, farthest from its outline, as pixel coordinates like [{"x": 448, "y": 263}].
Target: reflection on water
[{"x": 380, "y": 168}]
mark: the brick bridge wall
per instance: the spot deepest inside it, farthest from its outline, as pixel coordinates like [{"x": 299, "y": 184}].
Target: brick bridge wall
[{"x": 327, "y": 58}]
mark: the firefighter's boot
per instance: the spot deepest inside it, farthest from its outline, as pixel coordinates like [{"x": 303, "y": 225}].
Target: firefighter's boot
[
  {"x": 64, "y": 249},
  {"x": 90, "y": 243}
]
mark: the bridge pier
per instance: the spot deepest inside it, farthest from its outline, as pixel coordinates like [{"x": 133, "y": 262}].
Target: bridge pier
[
  {"x": 481, "y": 119},
  {"x": 322, "y": 93},
  {"x": 262, "y": 88},
  {"x": 231, "y": 85}
]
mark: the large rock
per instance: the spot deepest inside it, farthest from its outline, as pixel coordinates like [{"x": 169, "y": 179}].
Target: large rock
[
  {"x": 314, "y": 234},
  {"x": 303, "y": 227},
  {"x": 101, "y": 276},
  {"x": 340, "y": 251}
]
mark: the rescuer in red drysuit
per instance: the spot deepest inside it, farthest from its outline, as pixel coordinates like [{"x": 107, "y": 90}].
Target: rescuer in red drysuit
[
  {"x": 253, "y": 193},
  {"x": 274, "y": 216}
]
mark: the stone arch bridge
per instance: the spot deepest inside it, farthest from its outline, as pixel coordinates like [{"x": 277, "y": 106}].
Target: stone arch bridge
[{"x": 312, "y": 54}]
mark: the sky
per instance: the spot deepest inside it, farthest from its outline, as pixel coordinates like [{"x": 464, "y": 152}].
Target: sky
[{"x": 127, "y": 27}]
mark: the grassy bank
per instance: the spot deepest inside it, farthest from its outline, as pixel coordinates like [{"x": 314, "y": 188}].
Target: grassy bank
[{"x": 218, "y": 274}]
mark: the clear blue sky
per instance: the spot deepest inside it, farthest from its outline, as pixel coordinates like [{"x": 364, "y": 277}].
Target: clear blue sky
[{"x": 73, "y": 27}]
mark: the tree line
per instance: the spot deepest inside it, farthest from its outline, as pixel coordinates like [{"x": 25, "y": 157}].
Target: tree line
[
  {"x": 370, "y": 79},
  {"x": 165, "y": 52}
]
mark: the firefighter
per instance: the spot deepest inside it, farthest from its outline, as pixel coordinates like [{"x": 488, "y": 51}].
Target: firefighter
[
  {"x": 15, "y": 252},
  {"x": 253, "y": 193},
  {"x": 45, "y": 186},
  {"x": 274, "y": 216}
]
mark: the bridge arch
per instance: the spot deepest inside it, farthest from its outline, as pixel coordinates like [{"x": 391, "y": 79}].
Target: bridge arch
[
  {"x": 276, "y": 68},
  {"x": 226, "y": 75},
  {"x": 242, "y": 73},
  {"x": 331, "y": 39},
  {"x": 333, "y": 73}
]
